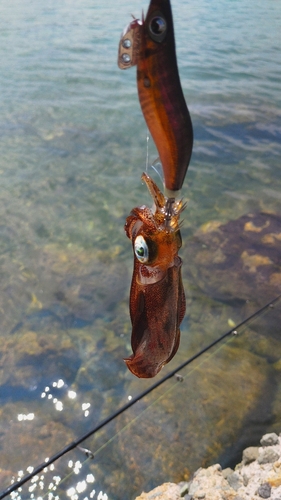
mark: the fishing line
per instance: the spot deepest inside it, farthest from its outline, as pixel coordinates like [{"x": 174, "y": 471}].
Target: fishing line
[
  {"x": 137, "y": 417},
  {"x": 90, "y": 455},
  {"x": 158, "y": 170},
  {"x": 161, "y": 396},
  {"x": 147, "y": 141},
  {"x": 134, "y": 400}
]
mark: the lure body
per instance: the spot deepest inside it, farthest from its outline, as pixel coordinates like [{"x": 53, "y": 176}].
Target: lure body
[
  {"x": 157, "y": 300},
  {"x": 152, "y": 49}
]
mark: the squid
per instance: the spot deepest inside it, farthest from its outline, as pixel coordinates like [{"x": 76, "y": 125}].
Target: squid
[{"x": 157, "y": 299}]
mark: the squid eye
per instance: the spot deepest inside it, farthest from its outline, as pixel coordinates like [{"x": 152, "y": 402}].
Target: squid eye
[
  {"x": 141, "y": 249},
  {"x": 157, "y": 28}
]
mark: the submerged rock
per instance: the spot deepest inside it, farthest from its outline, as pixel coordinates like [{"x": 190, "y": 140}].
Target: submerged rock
[
  {"x": 192, "y": 424},
  {"x": 28, "y": 442},
  {"x": 68, "y": 285},
  {"x": 238, "y": 261},
  {"x": 85, "y": 283},
  {"x": 29, "y": 358}
]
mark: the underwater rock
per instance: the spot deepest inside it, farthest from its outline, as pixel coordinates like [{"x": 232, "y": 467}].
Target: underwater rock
[
  {"x": 93, "y": 374},
  {"x": 65, "y": 286},
  {"x": 16, "y": 287},
  {"x": 29, "y": 358},
  {"x": 5, "y": 476},
  {"x": 88, "y": 284},
  {"x": 191, "y": 423},
  {"x": 37, "y": 349},
  {"x": 238, "y": 261},
  {"x": 28, "y": 442}
]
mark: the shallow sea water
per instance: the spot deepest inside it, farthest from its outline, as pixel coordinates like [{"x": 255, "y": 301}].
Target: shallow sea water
[{"x": 73, "y": 146}]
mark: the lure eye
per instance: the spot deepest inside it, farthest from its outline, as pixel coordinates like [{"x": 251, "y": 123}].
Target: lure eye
[
  {"x": 157, "y": 28},
  {"x": 141, "y": 249}
]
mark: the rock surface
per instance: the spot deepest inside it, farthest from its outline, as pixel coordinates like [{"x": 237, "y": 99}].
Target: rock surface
[
  {"x": 164, "y": 492},
  {"x": 237, "y": 261},
  {"x": 253, "y": 479}
]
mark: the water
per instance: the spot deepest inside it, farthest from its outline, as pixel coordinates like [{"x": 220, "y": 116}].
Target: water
[{"x": 72, "y": 149}]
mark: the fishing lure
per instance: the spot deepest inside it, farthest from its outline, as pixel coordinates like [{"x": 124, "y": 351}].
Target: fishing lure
[
  {"x": 150, "y": 45},
  {"x": 157, "y": 299}
]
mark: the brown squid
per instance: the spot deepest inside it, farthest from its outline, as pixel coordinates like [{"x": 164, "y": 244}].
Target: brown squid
[{"x": 157, "y": 300}]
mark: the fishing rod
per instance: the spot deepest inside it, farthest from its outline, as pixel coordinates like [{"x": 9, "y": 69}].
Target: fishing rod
[{"x": 103, "y": 423}]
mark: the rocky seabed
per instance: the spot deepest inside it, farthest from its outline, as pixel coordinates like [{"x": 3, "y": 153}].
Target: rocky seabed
[{"x": 258, "y": 476}]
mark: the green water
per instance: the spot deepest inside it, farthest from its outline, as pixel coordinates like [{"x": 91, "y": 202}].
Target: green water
[{"x": 73, "y": 147}]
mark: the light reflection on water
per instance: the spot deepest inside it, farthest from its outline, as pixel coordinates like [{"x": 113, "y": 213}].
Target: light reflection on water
[
  {"x": 204, "y": 381},
  {"x": 73, "y": 147},
  {"x": 38, "y": 484}
]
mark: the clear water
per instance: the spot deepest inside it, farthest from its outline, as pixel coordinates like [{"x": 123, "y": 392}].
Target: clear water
[{"x": 72, "y": 150}]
